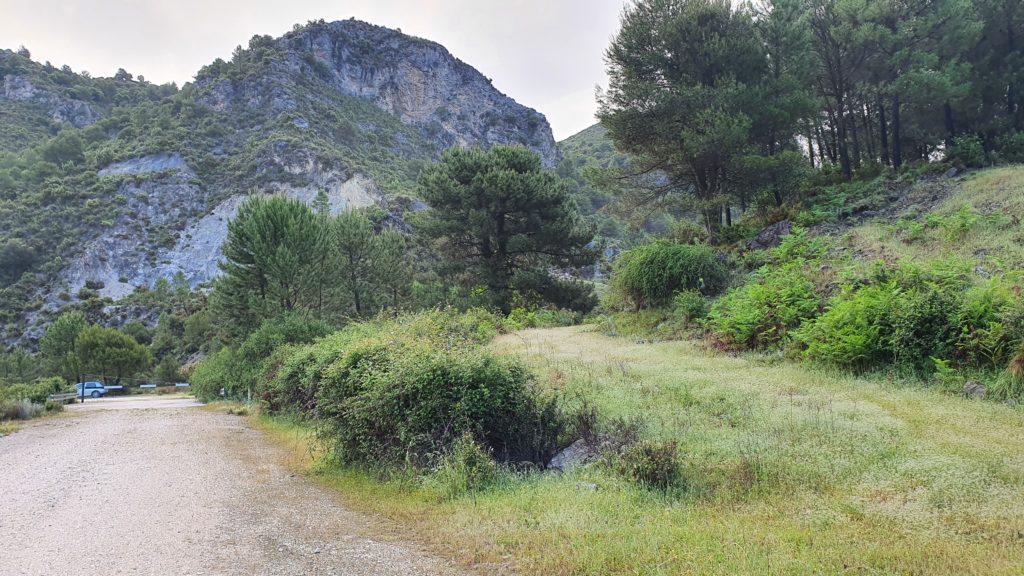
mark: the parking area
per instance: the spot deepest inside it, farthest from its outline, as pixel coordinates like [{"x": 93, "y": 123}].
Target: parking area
[{"x": 134, "y": 403}]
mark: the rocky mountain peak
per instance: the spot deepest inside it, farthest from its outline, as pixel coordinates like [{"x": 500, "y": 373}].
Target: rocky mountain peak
[{"x": 416, "y": 80}]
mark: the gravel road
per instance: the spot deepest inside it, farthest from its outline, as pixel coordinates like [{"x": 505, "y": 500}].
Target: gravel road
[{"x": 165, "y": 488}]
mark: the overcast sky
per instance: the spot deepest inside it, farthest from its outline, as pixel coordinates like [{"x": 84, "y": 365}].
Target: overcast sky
[{"x": 546, "y": 54}]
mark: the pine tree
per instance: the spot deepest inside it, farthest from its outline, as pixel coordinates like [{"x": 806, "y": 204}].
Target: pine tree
[{"x": 498, "y": 214}]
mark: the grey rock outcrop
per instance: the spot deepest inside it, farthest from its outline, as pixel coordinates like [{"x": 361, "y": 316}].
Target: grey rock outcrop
[
  {"x": 164, "y": 227},
  {"x": 975, "y": 390},
  {"x": 771, "y": 236},
  {"x": 145, "y": 165},
  {"x": 76, "y": 113}
]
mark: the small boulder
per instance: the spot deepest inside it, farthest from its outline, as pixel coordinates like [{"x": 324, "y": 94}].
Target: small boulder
[
  {"x": 974, "y": 389},
  {"x": 577, "y": 454},
  {"x": 951, "y": 173},
  {"x": 586, "y": 487},
  {"x": 771, "y": 236}
]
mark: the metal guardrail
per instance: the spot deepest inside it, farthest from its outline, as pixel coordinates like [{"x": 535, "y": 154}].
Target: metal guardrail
[{"x": 63, "y": 398}]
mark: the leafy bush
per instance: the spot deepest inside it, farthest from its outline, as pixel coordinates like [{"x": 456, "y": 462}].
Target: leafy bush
[
  {"x": 689, "y": 305},
  {"x": 23, "y": 409},
  {"x": 967, "y": 151},
  {"x": 651, "y": 464},
  {"x": 650, "y": 275},
  {"x": 909, "y": 316},
  {"x": 759, "y": 314},
  {"x": 386, "y": 402},
  {"x": 36, "y": 393},
  {"x": 852, "y": 332},
  {"x": 1011, "y": 147},
  {"x": 237, "y": 371},
  {"x": 403, "y": 391}
]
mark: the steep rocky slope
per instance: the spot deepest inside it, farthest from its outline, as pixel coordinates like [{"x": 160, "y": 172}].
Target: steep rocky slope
[{"x": 116, "y": 184}]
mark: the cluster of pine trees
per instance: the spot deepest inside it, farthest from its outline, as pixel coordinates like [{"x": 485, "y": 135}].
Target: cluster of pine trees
[
  {"x": 733, "y": 102},
  {"x": 497, "y": 228}
]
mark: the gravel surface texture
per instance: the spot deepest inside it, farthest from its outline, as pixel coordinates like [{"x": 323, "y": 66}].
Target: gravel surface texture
[{"x": 166, "y": 489}]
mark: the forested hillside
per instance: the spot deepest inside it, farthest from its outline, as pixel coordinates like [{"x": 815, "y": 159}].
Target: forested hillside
[{"x": 742, "y": 106}]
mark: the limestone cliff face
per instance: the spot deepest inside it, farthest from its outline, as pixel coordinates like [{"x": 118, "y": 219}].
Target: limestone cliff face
[
  {"x": 64, "y": 110},
  {"x": 416, "y": 80}
]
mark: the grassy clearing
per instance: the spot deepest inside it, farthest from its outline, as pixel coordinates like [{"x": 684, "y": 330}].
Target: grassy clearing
[
  {"x": 7, "y": 428},
  {"x": 788, "y": 471}
]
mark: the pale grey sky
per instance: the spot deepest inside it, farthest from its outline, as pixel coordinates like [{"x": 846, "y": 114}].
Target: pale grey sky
[{"x": 546, "y": 54}]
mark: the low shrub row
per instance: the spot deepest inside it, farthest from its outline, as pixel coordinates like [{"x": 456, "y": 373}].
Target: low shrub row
[
  {"x": 905, "y": 317},
  {"x": 402, "y": 392},
  {"x": 36, "y": 393},
  {"x": 810, "y": 299}
]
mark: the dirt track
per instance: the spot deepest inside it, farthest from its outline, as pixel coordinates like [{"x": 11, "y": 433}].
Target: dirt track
[{"x": 173, "y": 491}]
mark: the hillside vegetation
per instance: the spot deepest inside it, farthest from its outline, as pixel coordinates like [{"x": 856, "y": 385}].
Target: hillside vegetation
[{"x": 106, "y": 181}]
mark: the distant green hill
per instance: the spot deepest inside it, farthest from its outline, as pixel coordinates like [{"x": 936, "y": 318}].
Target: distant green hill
[{"x": 592, "y": 147}]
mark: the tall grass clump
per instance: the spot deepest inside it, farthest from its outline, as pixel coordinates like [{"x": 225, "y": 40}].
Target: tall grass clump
[{"x": 650, "y": 275}]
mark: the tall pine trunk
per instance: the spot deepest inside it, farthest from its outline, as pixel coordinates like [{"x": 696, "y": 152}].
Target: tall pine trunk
[
  {"x": 810, "y": 145},
  {"x": 897, "y": 143},
  {"x": 950, "y": 126},
  {"x": 883, "y": 131}
]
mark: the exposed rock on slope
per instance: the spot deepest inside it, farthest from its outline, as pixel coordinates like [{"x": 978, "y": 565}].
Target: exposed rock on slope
[
  {"x": 141, "y": 248},
  {"x": 76, "y": 113},
  {"x": 417, "y": 81}
]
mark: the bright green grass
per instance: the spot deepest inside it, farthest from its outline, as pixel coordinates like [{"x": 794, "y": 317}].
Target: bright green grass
[{"x": 788, "y": 472}]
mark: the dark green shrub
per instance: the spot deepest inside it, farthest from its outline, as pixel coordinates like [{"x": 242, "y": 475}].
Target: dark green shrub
[
  {"x": 651, "y": 464},
  {"x": 240, "y": 371},
  {"x": 1011, "y": 147},
  {"x": 221, "y": 370},
  {"x": 909, "y": 316},
  {"x": 967, "y": 151},
  {"x": 854, "y": 332},
  {"x": 923, "y": 326},
  {"x": 293, "y": 373},
  {"x": 384, "y": 402},
  {"x": 290, "y": 328},
  {"x": 762, "y": 312},
  {"x": 649, "y": 276}
]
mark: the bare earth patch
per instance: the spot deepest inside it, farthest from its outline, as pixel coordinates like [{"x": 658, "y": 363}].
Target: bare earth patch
[{"x": 176, "y": 490}]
